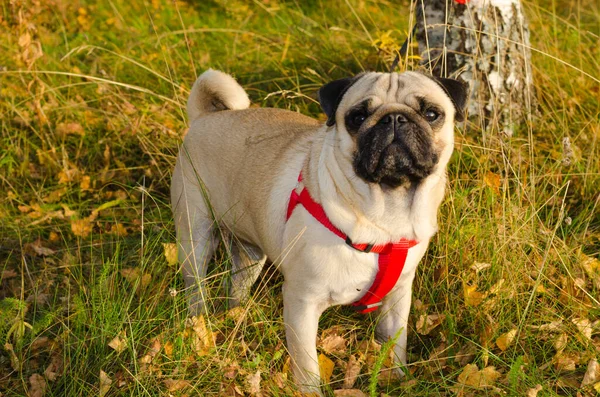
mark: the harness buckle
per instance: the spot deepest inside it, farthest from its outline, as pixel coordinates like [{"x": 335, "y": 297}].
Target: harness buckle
[
  {"x": 367, "y": 249},
  {"x": 365, "y": 307}
]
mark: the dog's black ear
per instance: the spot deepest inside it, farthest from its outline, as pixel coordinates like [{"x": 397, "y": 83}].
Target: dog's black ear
[
  {"x": 458, "y": 93},
  {"x": 330, "y": 96}
]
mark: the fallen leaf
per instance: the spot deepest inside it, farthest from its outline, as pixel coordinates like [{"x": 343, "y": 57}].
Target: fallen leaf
[
  {"x": 176, "y": 384},
  {"x": 202, "y": 337},
  {"x": 325, "y": 368},
  {"x": 353, "y": 368},
  {"x": 472, "y": 296},
  {"x": 85, "y": 183},
  {"x": 38, "y": 386},
  {"x": 119, "y": 342},
  {"x": 55, "y": 368},
  {"x": 168, "y": 349},
  {"x": 170, "y": 250},
  {"x": 119, "y": 230},
  {"x": 24, "y": 40},
  {"x": 554, "y": 326},
  {"x": 426, "y": 323},
  {"x": 479, "y": 266},
  {"x": 566, "y": 361},
  {"x": 81, "y": 227},
  {"x": 253, "y": 383},
  {"x": 333, "y": 344},
  {"x": 237, "y": 313},
  {"x": 15, "y": 363},
  {"x": 492, "y": 180},
  {"x": 584, "y": 326},
  {"x": 505, "y": 340},
  {"x": 561, "y": 342},
  {"x": 63, "y": 129},
  {"x": 6, "y": 274},
  {"x": 591, "y": 266},
  {"x": 533, "y": 392},
  {"x": 39, "y": 249},
  {"x": 105, "y": 383},
  {"x": 472, "y": 376},
  {"x": 349, "y": 393},
  {"x": 591, "y": 374}
]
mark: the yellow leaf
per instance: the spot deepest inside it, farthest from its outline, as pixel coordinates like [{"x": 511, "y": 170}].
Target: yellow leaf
[
  {"x": 472, "y": 296},
  {"x": 63, "y": 129},
  {"x": 325, "y": 368},
  {"x": 505, "y": 340},
  {"x": 84, "y": 184},
  {"x": 333, "y": 344},
  {"x": 202, "y": 337},
  {"x": 170, "y": 250}
]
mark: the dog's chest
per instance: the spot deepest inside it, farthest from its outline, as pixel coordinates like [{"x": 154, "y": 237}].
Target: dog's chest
[{"x": 322, "y": 265}]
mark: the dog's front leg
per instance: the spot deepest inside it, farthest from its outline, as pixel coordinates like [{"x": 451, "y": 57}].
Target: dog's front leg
[
  {"x": 394, "y": 317},
  {"x": 301, "y": 317}
]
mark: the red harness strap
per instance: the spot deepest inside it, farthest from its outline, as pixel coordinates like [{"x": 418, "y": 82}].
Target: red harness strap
[{"x": 392, "y": 256}]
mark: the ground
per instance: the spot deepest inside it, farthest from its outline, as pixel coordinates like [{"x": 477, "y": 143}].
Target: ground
[{"x": 92, "y": 109}]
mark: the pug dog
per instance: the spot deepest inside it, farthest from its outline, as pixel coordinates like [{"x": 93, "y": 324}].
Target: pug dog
[{"x": 330, "y": 204}]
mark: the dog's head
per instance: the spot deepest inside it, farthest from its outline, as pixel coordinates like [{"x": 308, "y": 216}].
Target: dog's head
[{"x": 397, "y": 127}]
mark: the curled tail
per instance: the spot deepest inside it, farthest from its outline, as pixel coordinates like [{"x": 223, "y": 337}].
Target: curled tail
[{"x": 215, "y": 91}]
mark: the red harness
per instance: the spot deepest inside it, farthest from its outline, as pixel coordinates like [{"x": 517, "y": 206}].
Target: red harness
[{"x": 392, "y": 256}]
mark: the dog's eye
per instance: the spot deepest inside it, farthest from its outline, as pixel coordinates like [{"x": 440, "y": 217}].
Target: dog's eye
[
  {"x": 357, "y": 118},
  {"x": 431, "y": 115}
]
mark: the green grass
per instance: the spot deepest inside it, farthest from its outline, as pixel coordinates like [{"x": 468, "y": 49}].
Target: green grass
[{"x": 89, "y": 132}]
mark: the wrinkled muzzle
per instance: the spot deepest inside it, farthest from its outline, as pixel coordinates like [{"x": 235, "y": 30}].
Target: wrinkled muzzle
[{"x": 396, "y": 151}]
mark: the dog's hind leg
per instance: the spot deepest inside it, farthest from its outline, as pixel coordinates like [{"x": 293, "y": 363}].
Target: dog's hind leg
[
  {"x": 247, "y": 263},
  {"x": 196, "y": 239}
]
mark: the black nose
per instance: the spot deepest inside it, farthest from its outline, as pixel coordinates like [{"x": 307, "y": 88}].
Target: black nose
[{"x": 393, "y": 117}]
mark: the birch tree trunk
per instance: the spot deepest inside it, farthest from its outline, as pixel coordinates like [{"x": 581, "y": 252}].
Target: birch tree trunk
[{"x": 484, "y": 43}]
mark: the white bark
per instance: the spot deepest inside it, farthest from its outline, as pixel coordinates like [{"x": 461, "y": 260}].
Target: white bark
[{"x": 486, "y": 44}]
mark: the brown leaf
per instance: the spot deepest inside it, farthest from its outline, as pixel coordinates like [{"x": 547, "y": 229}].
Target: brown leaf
[
  {"x": 105, "y": 383},
  {"x": 38, "y": 386},
  {"x": 349, "y": 393},
  {"x": 55, "y": 368},
  {"x": 353, "y": 368},
  {"x": 479, "y": 266},
  {"x": 6, "y": 274},
  {"x": 591, "y": 266},
  {"x": 24, "y": 40},
  {"x": 533, "y": 392},
  {"x": 333, "y": 344},
  {"x": 119, "y": 342},
  {"x": 176, "y": 384},
  {"x": 39, "y": 249},
  {"x": 253, "y": 383},
  {"x": 427, "y": 322},
  {"x": 505, "y": 340},
  {"x": 64, "y": 129},
  {"x": 15, "y": 363},
  {"x": 566, "y": 361},
  {"x": 325, "y": 368}
]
